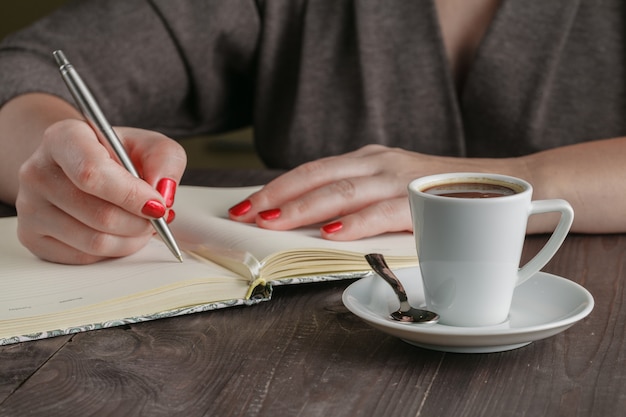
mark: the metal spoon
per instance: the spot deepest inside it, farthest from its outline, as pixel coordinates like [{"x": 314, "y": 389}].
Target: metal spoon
[{"x": 406, "y": 313}]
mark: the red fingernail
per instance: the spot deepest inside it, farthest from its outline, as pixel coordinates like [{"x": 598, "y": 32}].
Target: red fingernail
[
  {"x": 270, "y": 214},
  {"x": 332, "y": 227},
  {"x": 167, "y": 188},
  {"x": 153, "y": 208},
  {"x": 240, "y": 209},
  {"x": 170, "y": 216}
]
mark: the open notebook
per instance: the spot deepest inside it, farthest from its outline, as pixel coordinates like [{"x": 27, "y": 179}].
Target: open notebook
[{"x": 225, "y": 264}]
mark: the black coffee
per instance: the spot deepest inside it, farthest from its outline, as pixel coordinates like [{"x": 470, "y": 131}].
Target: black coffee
[{"x": 470, "y": 190}]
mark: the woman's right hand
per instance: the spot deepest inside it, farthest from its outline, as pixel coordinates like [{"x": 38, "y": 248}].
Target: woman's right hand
[{"x": 76, "y": 204}]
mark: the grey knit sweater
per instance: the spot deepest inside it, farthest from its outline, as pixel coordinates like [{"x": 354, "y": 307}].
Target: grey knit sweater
[{"x": 322, "y": 77}]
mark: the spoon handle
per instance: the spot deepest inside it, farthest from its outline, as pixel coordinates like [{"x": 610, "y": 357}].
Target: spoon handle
[{"x": 379, "y": 265}]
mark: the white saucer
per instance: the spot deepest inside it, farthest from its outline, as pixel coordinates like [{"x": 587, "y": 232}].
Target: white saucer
[{"x": 542, "y": 306}]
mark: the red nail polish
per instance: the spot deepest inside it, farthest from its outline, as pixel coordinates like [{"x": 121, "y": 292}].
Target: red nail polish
[
  {"x": 153, "y": 208},
  {"x": 167, "y": 188},
  {"x": 332, "y": 227},
  {"x": 270, "y": 214},
  {"x": 240, "y": 209},
  {"x": 170, "y": 216}
]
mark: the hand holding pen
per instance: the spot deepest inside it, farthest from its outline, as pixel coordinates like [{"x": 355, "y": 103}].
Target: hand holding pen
[
  {"x": 96, "y": 119},
  {"x": 76, "y": 203}
]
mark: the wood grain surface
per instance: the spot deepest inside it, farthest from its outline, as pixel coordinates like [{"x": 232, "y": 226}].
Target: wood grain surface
[{"x": 305, "y": 354}]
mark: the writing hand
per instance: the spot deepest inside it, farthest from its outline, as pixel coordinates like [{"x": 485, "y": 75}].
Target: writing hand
[{"x": 76, "y": 204}]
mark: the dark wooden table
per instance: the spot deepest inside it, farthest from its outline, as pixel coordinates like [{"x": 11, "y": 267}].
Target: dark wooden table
[{"x": 305, "y": 354}]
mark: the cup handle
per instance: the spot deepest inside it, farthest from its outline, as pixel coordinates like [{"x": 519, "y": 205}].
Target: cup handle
[{"x": 554, "y": 243}]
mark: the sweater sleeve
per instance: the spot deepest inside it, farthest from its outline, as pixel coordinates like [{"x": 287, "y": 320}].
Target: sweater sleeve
[{"x": 153, "y": 64}]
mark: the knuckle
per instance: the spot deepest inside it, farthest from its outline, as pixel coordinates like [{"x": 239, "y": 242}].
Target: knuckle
[
  {"x": 384, "y": 213},
  {"x": 105, "y": 216},
  {"x": 386, "y": 210},
  {"x": 34, "y": 170},
  {"x": 300, "y": 206},
  {"x": 344, "y": 188},
  {"x": 26, "y": 209},
  {"x": 373, "y": 147},
  {"x": 53, "y": 132},
  {"x": 390, "y": 156},
  {"x": 313, "y": 168},
  {"x": 62, "y": 133},
  {"x": 98, "y": 244},
  {"x": 27, "y": 172},
  {"x": 178, "y": 153},
  {"x": 357, "y": 223},
  {"x": 130, "y": 196},
  {"x": 87, "y": 174}
]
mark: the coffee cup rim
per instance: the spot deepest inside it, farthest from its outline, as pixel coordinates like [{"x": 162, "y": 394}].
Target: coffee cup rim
[{"x": 519, "y": 185}]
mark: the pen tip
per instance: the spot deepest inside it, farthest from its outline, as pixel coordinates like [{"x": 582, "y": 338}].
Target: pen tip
[{"x": 180, "y": 258}]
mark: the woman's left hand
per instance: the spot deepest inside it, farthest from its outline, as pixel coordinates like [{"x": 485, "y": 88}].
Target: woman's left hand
[{"x": 358, "y": 194}]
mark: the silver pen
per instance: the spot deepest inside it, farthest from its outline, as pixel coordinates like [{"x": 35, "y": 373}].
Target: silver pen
[{"x": 91, "y": 110}]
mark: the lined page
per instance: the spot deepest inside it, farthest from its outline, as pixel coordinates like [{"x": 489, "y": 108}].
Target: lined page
[{"x": 31, "y": 287}]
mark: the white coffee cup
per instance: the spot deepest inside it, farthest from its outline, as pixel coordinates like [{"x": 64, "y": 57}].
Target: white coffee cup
[{"x": 469, "y": 248}]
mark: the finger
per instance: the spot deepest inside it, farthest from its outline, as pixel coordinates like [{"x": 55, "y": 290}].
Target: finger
[
  {"x": 74, "y": 147},
  {"x": 57, "y": 237},
  {"x": 305, "y": 179},
  {"x": 331, "y": 201},
  {"x": 43, "y": 183},
  {"x": 93, "y": 212},
  {"x": 52, "y": 250},
  {"x": 161, "y": 165},
  {"x": 392, "y": 215},
  {"x": 155, "y": 155}
]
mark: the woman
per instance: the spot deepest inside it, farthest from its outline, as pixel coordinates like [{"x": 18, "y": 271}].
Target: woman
[{"x": 360, "y": 96}]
